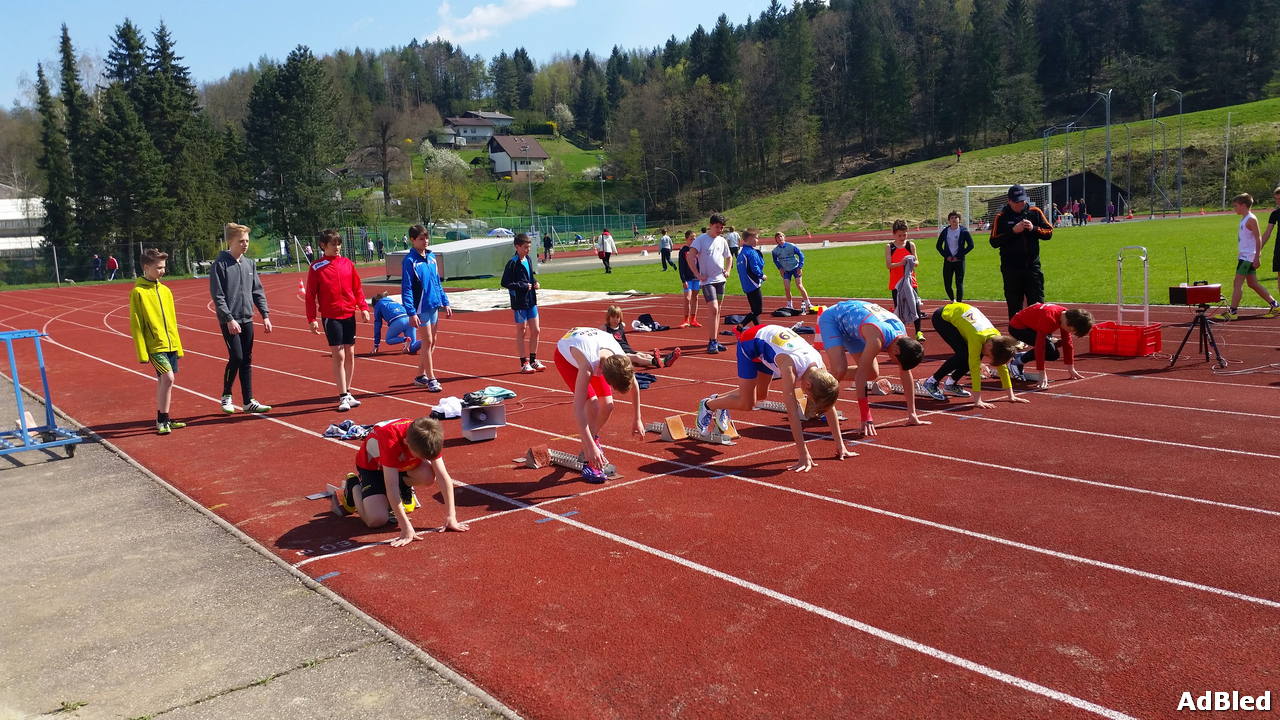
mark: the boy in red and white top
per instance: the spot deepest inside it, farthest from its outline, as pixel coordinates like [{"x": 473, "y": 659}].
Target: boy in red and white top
[
  {"x": 593, "y": 365},
  {"x": 333, "y": 288},
  {"x": 1034, "y": 324},
  {"x": 396, "y": 457}
]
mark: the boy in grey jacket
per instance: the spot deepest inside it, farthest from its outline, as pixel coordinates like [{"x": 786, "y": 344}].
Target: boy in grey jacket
[{"x": 236, "y": 289}]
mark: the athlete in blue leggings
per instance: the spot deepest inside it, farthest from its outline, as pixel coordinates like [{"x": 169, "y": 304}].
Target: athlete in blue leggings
[{"x": 399, "y": 328}]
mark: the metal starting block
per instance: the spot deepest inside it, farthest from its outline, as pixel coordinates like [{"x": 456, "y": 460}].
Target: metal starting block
[
  {"x": 673, "y": 428},
  {"x": 779, "y": 406},
  {"x": 540, "y": 456}
]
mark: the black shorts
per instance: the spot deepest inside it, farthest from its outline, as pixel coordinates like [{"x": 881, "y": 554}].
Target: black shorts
[
  {"x": 340, "y": 332},
  {"x": 371, "y": 483}
]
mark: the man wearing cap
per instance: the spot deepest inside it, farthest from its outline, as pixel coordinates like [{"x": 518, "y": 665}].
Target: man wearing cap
[{"x": 1016, "y": 232}]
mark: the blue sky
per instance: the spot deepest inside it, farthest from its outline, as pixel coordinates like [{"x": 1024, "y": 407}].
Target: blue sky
[{"x": 217, "y": 37}]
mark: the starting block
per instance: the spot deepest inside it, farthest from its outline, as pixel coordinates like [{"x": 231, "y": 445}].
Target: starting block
[
  {"x": 673, "y": 428},
  {"x": 541, "y": 456},
  {"x": 779, "y": 406}
]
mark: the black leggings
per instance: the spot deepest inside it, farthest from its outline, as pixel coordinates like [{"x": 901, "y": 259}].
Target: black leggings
[
  {"x": 894, "y": 292},
  {"x": 240, "y": 352},
  {"x": 605, "y": 260},
  {"x": 1028, "y": 336},
  {"x": 666, "y": 259},
  {"x": 958, "y": 364},
  {"x": 954, "y": 270},
  {"x": 756, "y": 299}
]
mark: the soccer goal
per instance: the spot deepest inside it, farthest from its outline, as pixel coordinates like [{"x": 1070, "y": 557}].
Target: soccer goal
[{"x": 980, "y": 203}]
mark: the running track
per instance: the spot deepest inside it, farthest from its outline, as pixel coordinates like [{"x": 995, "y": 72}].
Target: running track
[{"x": 1096, "y": 552}]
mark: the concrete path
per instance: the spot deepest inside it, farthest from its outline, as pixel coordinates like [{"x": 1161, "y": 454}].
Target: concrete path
[{"x": 121, "y": 600}]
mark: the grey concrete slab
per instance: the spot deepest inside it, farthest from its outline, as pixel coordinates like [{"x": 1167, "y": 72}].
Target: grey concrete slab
[{"x": 119, "y": 595}]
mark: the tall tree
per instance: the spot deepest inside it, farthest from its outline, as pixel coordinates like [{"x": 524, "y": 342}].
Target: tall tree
[
  {"x": 722, "y": 55},
  {"x": 127, "y": 61},
  {"x": 796, "y": 89},
  {"x": 85, "y": 148},
  {"x": 59, "y": 228},
  {"x": 983, "y": 64},
  {"x": 135, "y": 173}
]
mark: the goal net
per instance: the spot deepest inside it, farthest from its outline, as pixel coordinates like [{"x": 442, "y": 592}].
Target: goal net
[{"x": 980, "y": 203}]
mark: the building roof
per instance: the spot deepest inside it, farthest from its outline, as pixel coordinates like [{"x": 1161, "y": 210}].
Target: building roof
[
  {"x": 513, "y": 144},
  {"x": 488, "y": 115},
  {"x": 482, "y": 122}
]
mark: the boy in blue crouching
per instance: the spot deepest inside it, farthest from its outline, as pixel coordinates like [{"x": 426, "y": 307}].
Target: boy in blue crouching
[{"x": 400, "y": 330}]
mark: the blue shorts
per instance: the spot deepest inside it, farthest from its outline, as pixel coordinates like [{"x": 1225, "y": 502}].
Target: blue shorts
[
  {"x": 523, "y": 316},
  {"x": 833, "y": 337},
  {"x": 429, "y": 317},
  {"x": 749, "y": 348},
  {"x": 692, "y": 285},
  {"x": 792, "y": 274}
]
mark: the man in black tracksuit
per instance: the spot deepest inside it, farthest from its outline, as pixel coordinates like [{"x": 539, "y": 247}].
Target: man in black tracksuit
[{"x": 1016, "y": 232}]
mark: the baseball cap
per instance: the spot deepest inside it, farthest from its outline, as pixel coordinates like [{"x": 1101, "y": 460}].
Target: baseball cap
[{"x": 1017, "y": 193}]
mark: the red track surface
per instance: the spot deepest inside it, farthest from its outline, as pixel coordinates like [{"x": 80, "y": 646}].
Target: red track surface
[{"x": 1098, "y": 551}]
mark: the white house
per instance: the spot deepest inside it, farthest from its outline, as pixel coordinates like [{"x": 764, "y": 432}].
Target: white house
[
  {"x": 21, "y": 216},
  {"x": 515, "y": 155},
  {"x": 500, "y": 121},
  {"x": 470, "y": 130}
]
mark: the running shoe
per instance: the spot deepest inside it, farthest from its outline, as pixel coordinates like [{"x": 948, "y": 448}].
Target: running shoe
[
  {"x": 537, "y": 365},
  {"x": 176, "y": 425},
  {"x": 593, "y": 476},
  {"x": 1273, "y": 312},
  {"x": 352, "y": 401},
  {"x": 433, "y": 385},
  {"x": 693, "y": 322},
  {"x": 227, "y": 406},
  {"x": 874, "y": 388},
  {"x": 422, "y": 380},
  {"x": 930, "y": 388},
  {"x": 344, "y": 403},
  {"x": 722, "y": 421},
  {"x": 720, "y": 347},
  {"x": 687, "y": 323},
  {"x": 413, "y": 347},
  {"x": 671, "y": 357},
  {"x": 1226, "y": 316},
  {"x": 713, "y": 347},
  {"x": 162, "y": 428},
  {"x": 253, "y": 406},
  {"x": 920, "y": 336},
  {"x": 951, "y": 388},
  {"x": 527, "y": 369},
  {"x": 703, "y": 420}
]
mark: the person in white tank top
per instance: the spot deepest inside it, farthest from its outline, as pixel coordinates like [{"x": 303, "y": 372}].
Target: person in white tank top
[
  {"x": 766, "y": 352},
  {"x": 1248, "y": 258},
  {"x": 593, "y": 365}
]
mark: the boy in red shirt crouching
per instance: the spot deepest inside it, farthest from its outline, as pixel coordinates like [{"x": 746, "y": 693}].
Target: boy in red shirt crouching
[
  {"x": 395, "y": 457},
  {"x": 1033, "y": 325}
]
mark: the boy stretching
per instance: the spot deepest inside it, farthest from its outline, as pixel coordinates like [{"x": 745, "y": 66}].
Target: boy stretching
[
  {"x": 593, "y": 365},
  {"x": 789, "y": 260},
  {"x": 236, "y": 290},
  {"x": 1034, "y": 324},
  {"x": 863, "y": 330},
  {"x": 518, "y": 279},
  {"x": 394, "y": 458},
  {"x": 689, "y": 282},
  {"x": 428, "y": 302},
  {"x": 154, "y": 325},
  {"x": 334, "y": 291},
  {"x": 1248, "y": 260},
  {"x": 766, "y": 352},
  {"x": 399, "y": 330},
  {"x": 974, "y": 340},
  {"x": 615, "y": 326}
]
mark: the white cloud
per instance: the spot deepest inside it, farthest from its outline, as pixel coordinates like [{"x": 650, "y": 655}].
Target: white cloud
[{"x": 484, "y": 21}]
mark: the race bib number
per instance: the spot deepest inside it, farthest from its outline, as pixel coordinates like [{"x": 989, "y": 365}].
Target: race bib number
[
  {"x": 978, "y": 320},
  {"x": 581, "y": 332},
  {"x": 878, "y": 312}
]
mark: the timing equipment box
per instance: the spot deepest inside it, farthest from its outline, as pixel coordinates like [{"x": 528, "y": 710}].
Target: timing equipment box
[{"x": 1197, "y": 294}]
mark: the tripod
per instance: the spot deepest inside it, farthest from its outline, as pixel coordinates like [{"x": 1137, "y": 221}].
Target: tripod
[{"x": 1206, "y": 337}]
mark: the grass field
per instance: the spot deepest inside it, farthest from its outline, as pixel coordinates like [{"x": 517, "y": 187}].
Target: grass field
[
  {"x": 911, "y": 191},
  {"x": 1079, "y": 266}
]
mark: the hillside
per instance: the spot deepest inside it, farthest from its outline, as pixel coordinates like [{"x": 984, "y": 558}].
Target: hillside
[{"x": 911, "y": 191}]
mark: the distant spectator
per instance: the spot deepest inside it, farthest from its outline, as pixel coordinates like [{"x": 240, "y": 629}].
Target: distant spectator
[
  {"x": 733, "y": 238},
  {"x": 113, "y": 266},
  {"x": 379, "y": 246},
  {"x": 954, "y": 242},
  {"x": 97, "y": 267},
  {"x": 1111, "y": 211},
  {"x": 606, "y": 248},
  {"x": 664, "y": 249},
  {"x": 547, "y": 246}
]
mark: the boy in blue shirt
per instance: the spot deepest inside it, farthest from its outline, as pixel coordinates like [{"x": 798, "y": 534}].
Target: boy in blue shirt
[
  {"x": 518, "y": 277},
  {"x": 789, "y": 260},
  {"x": 751, "y": 276},
  {"x": 426, "y": 313},
  {"x": 399, "y": 328}
]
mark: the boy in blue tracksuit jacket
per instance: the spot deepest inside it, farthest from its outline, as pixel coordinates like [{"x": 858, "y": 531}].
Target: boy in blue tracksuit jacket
[
  {"x": 410, "y": 284},
  {"x": 427, "y": 305},
  {"x": 399, "y": 328},
  {"x": 789, "y": 260},
  {"x": 751, "y": 275}
]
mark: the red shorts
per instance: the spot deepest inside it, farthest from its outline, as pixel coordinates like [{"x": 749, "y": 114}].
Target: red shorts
[{"x": 597, "y": 387}]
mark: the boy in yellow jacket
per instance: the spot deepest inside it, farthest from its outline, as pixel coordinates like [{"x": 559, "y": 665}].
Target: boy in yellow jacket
[{"x": 154, "y": 324}]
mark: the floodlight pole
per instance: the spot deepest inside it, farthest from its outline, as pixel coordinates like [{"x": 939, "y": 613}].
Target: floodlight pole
[
  {"x": 1152, "y": 174},
  {"x": 718, "y": 184},
  {"x": 604, "y": 216},
  {"x": 1179, "y": 94},
  {"x": 1107, "y": 97},
  {"x": 1226, "y": 158}
]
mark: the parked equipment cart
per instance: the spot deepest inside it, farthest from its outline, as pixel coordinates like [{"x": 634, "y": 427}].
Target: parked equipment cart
[{"x": 26, "y": 435}]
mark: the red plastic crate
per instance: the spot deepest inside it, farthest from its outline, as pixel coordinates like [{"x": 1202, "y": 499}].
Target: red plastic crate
[{"x": 1108, "y": 338}]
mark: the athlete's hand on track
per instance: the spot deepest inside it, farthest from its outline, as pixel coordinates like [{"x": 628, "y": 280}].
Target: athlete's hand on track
[
  {"x": 406, "y": 538},
  {"x": 1044, "y": 382},
  {"x": 915, "y": 420},
  {"x": 844, "y": 452},
  {"x": 869, "y": 428},
  {"x": 982, "y": 405},
  {"x": 1017, "y": 399},
  {"x": 804, "y": 464},
  {"x": 456, "y": 526}
]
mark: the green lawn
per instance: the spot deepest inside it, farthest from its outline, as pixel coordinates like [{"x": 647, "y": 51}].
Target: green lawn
[{"x": 1079, "y": 266}]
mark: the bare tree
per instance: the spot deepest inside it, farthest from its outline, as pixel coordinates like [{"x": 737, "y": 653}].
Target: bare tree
[{"x": 392, "y": 133}]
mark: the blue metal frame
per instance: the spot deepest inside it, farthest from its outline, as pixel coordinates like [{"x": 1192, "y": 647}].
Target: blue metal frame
[{"x": 24, "y": 436}]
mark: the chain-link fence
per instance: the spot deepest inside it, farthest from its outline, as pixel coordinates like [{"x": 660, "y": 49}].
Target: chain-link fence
[{"x": 31, "y": 261}]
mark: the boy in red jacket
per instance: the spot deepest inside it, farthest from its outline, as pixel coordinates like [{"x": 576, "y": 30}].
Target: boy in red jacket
[
  {"x": 1033, "y": 325},
  {"x": 333, "y": 288}
]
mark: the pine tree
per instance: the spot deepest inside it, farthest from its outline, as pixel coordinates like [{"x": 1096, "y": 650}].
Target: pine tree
[
  {"x": 722, "y": 55},
  {"x": 134, "y": 171},
  {"x": 796, "y": 89},
  {"x": 85, "y": 150},
  {"x": 524, "y": 79},
  {"x": 59, "y": 228},
  {"x": 983, "y": 66},
  {"x": 127, "y": 61},
  {"x": 866, "y": 67},
  {"x": 169, "y": 108}
]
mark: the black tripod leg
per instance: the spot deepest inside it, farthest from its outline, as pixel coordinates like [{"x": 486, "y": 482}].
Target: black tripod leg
[
  {"x": 1183, "y": 344},
  {"x": 1222, "y": 362}
]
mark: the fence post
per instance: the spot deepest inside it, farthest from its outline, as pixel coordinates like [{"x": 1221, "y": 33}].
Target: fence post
[{"x": 57, "y": 274}]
